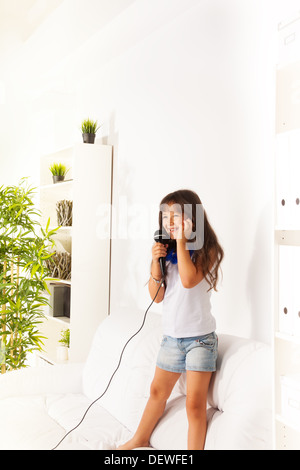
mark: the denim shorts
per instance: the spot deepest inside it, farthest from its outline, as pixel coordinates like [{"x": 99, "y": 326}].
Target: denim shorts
[{"x": 198, "y": 353}]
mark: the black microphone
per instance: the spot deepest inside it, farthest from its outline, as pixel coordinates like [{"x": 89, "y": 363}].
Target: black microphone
[{"x": 161, "y": 236}]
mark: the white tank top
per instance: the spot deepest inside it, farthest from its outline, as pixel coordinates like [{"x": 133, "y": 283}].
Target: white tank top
[{"x": 186, "y": 312}]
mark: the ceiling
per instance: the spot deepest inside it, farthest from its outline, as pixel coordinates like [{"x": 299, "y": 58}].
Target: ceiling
[{"x": 19, "y": 19}]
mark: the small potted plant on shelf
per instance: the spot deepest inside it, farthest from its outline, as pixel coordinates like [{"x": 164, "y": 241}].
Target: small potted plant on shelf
[
  {"x": 59, "y": 171},
  {"x": 63, "y": 350},
  {"x": 89, "y": 129}
]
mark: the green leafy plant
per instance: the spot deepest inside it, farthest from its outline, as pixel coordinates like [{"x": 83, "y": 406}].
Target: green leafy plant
[
  {"x": 24, "y": 247},
  {"x": 65, "y": 338},
  {"x": 89, "y": 127},
  {"x": 58, "y": 169}
]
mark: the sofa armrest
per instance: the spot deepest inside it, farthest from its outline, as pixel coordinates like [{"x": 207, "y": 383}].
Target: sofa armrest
[{"x": 65, "y": 378}]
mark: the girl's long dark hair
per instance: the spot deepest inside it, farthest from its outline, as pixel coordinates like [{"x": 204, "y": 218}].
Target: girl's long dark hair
[{"x": 211, "y": 252}]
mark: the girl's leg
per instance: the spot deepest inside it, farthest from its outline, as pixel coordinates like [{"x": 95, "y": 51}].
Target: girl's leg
[
  {"x": 161, "y": 388},
  {"x": 196, "y": 400}
]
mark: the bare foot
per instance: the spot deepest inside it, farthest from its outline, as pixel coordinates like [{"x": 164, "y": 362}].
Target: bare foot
[{"x": 132, "y": 444}]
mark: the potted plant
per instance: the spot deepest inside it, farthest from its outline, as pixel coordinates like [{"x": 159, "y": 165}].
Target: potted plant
[
  {"x": 63, "y": 350},
  {"x": 89, "y": 129},
  {"x": 24, "y": 247},
  {"x": 59, "y": 171}
]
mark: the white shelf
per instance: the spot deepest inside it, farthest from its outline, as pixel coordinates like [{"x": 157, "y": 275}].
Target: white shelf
[
  {"x": 286, "y": 337},
  {"x": 88, "y": 186},
  {"x": 287, "y": 227},
  {"x": 287, "y": 236},
  {"x": 62, "y": 228},
  {"x": 281, "y": 419},
  {"x": 57, "y": 186},
  {"x": 61, "y": 281},
  {"x": 50, "y": 193},
  {"x": 51, "y": 359},
  {"x": 62, "y": 320}
]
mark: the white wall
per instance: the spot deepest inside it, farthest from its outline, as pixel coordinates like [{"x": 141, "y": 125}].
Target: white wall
[{"x": 185, "y": 91}]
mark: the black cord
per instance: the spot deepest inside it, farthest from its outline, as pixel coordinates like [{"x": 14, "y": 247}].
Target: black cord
[{"x": 110, "y": 380}]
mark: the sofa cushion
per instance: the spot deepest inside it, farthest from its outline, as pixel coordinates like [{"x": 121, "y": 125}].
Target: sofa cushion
[
  {"x": 239, "y": 417},
  {"x": 241, "y": 389},
  {"x": 99, "y": 430},
  {"x": 26, "y": 425},
  {"x": 239, "y": 394},
  {"x": 40, "y": 422},
  {"x": 171, "y": 431},
  {"x": 243, "y": 375},
  {"x": 128, "y": 392}
]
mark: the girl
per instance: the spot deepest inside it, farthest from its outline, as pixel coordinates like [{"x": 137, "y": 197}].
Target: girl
[{"x": 189, "y": 343}]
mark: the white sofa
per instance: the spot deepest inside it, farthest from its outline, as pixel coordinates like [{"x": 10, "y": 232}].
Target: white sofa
[{"x": 38, "y": 405}]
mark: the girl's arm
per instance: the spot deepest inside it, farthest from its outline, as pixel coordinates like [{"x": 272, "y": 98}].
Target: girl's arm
[
  {"x": 190, "y": 274},
  {"x": 158, "y": 251}
]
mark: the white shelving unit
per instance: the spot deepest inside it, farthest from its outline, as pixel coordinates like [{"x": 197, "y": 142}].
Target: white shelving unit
[
  {"x": 88, "y": 185},
  {"x": 50, "y": 194},
  {"x": 287, "y": 233},
  {"x": 90, "y": 244}
]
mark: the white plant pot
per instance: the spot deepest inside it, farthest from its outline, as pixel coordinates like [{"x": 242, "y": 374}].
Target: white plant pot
[{"x": 62, "y": 353}]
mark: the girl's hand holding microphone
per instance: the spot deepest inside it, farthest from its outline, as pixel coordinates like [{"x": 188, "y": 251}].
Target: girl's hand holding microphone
[{"x": 158, "y": 251}]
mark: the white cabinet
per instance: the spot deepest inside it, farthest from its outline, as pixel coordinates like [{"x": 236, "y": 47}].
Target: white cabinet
[
  {"x": 287, "y": 238},
  {"x": 285, "y": 307},
  {"x": 91, "y": 244},
  {"x": 289, "y": 290},
  {"x": 287, "y": 162},
  {"x": 88, "y": 186}
]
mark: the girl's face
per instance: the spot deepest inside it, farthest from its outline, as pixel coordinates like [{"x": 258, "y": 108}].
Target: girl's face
[{"x": 172, "y": 220}]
